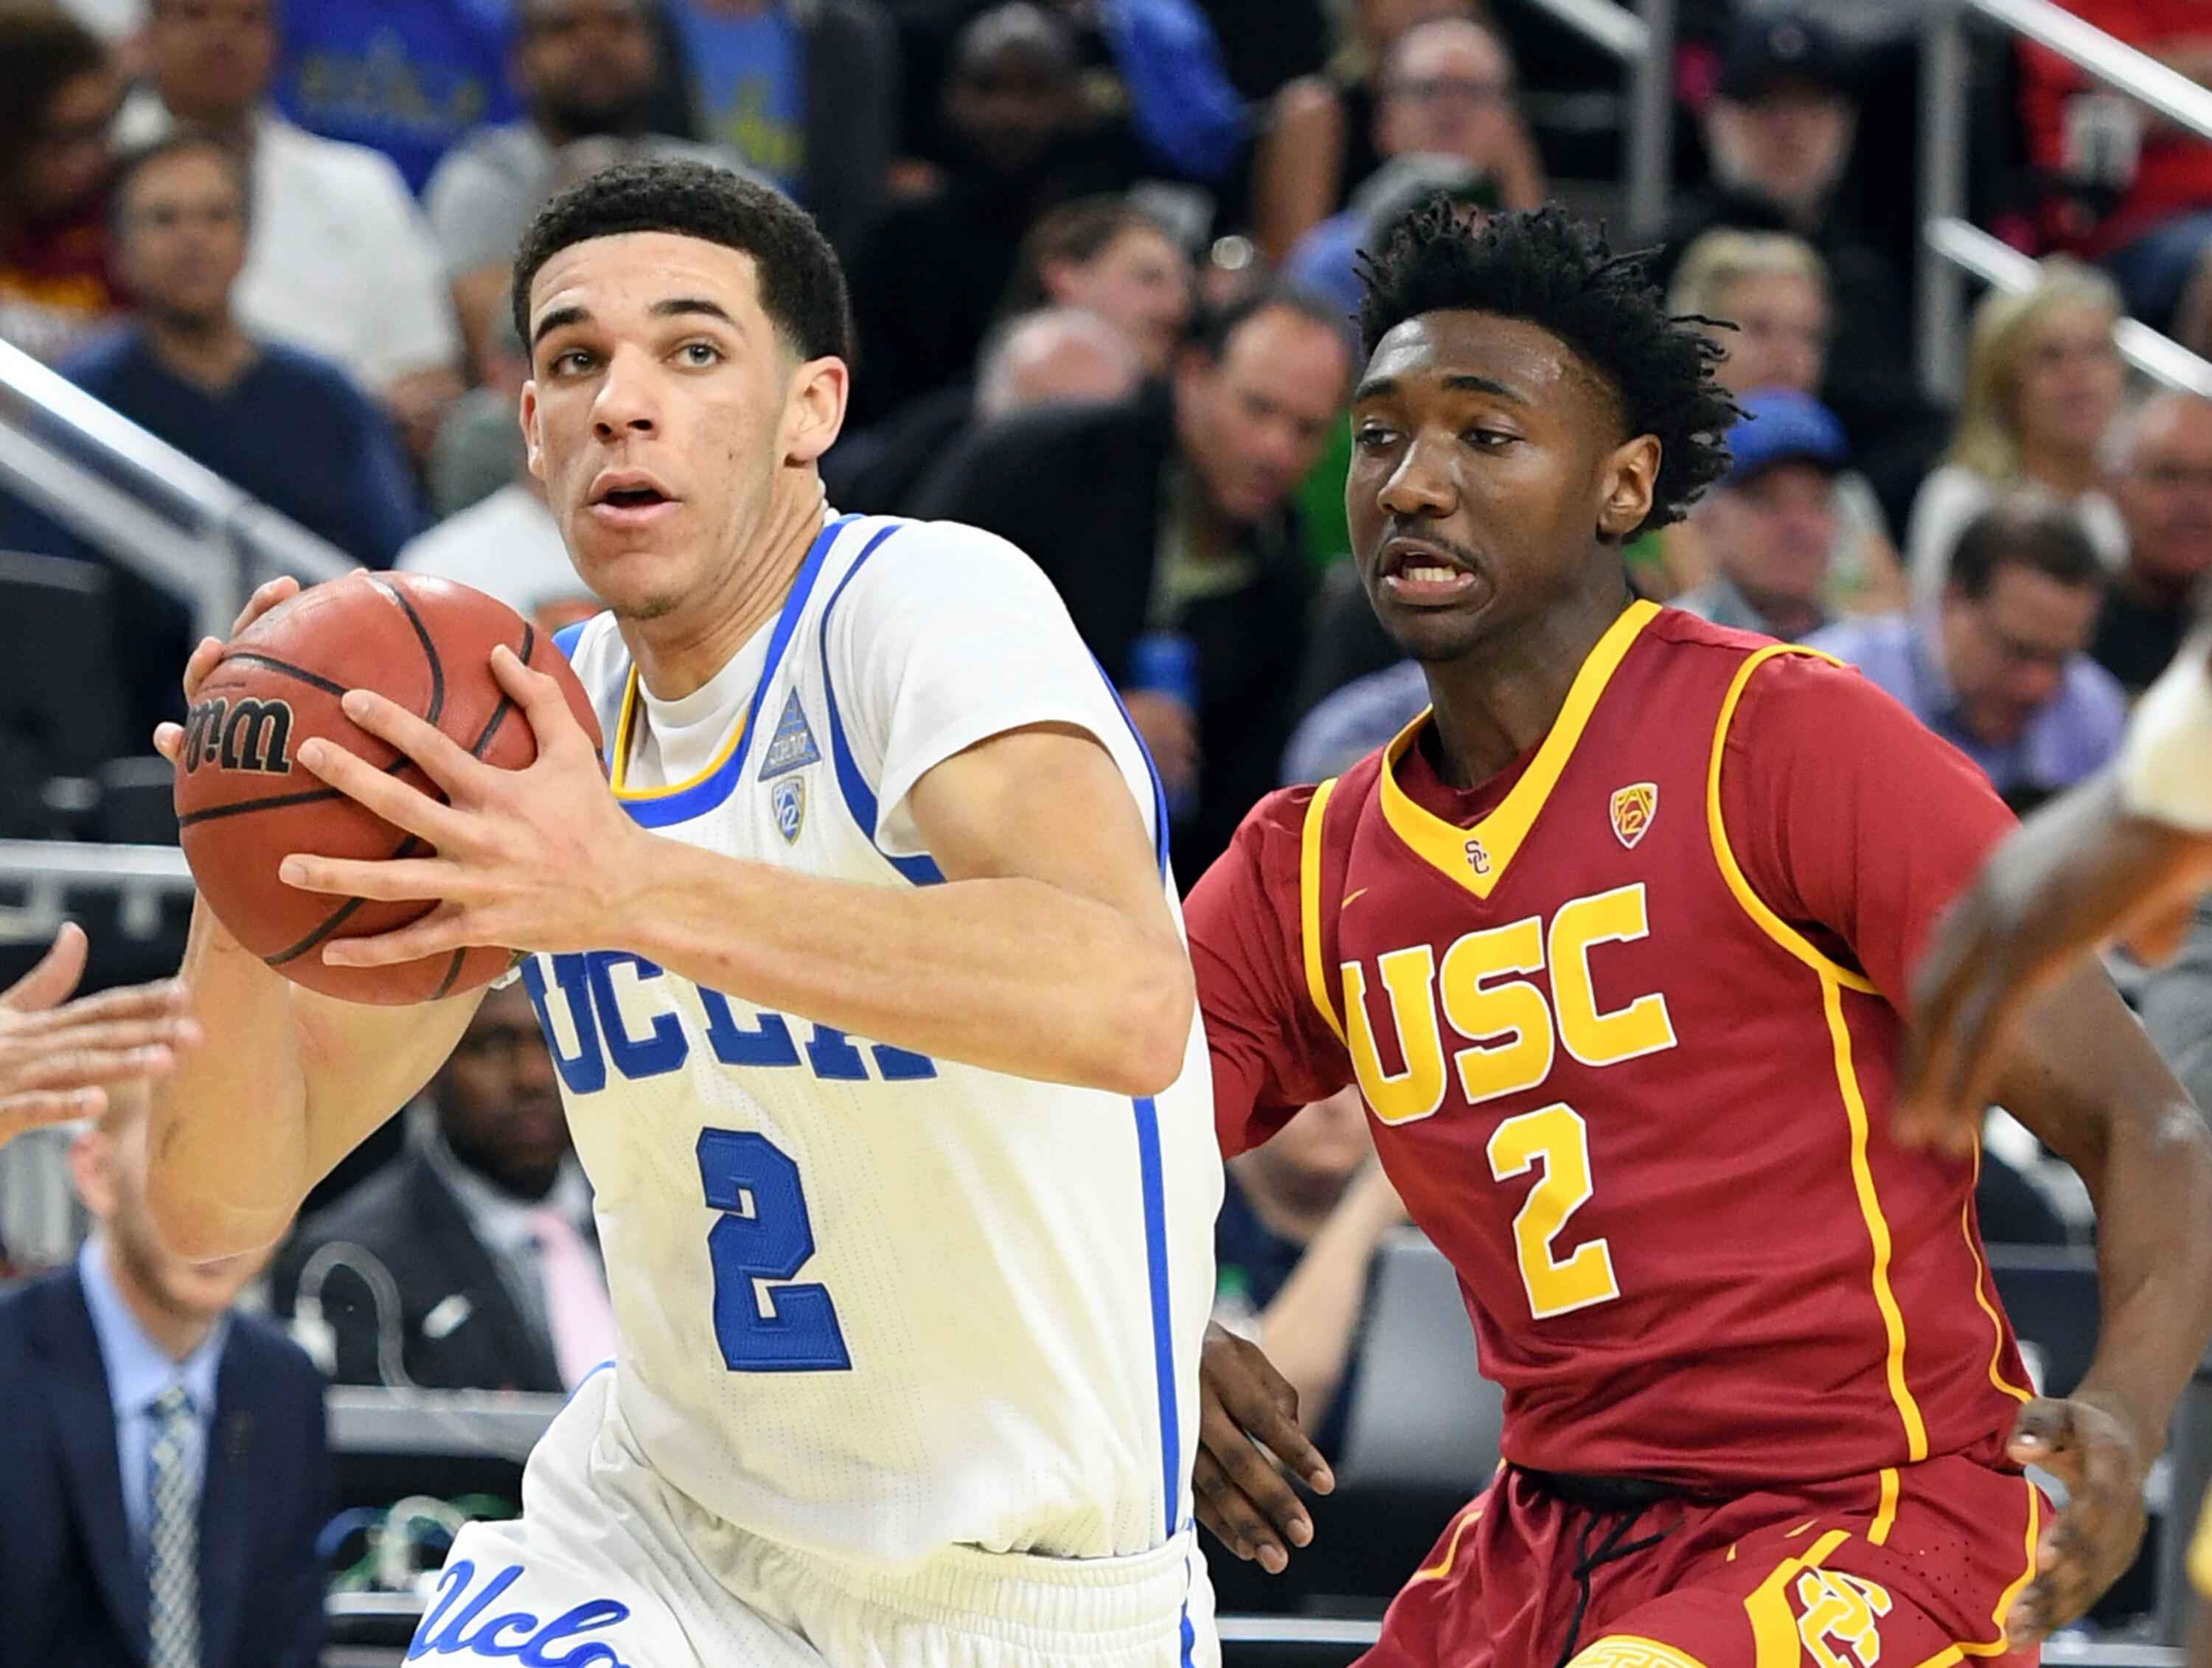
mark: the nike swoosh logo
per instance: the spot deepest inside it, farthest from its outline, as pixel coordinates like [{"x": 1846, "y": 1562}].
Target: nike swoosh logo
[{"x": 1351, "y": 896}]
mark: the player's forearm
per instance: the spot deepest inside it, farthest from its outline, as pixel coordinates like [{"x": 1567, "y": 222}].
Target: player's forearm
[
  {"x": 2086, "y": 1079},
  {"x": 228, "y": 1140},
  {"x": 1012, "y": 975}
]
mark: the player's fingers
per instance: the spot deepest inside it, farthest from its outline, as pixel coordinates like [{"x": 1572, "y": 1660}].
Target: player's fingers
[
  {"x": 443, "y": 759},
  {"x": 269, "y": 594},
  {"x": 206, "y": 655},
  {"x": 539, "y": 694},
  {"x": 63, "y": 1069},
  {"x": 169, "y": 740},
  {"x": 165, "y": 999},
  {"x": 2158, "y": 937},
  {"x": 381, "y": 881},
  {"x": 18, "y": 1112},
  {"x": 99, "y": 1036},
  {"x": 1249, "y": 1474},
  {"x": 54, "y": 976},
  {"x": 399, "y": 803},
  {"x": 439, "y": 933},
  {"x": 1233, "y": 1520}
]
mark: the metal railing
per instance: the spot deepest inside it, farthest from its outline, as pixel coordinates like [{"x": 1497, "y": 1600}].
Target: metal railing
[
  {"x": 44, "y": 873},
  {"x": 1643, "y": 40},
  {"x": 169, "y": 519},
  {"x": 1951, "y": 248}
]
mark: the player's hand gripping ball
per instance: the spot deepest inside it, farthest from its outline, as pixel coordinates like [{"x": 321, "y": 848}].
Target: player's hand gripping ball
[{"x": 244, "y": 803}]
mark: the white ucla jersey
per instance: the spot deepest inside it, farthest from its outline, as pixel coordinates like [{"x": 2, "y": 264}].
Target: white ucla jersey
[{"x": 873, "y": 1304}]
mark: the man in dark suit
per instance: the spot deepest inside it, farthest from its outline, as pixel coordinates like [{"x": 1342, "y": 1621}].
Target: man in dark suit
[
  {"x": 1168, "y": 516},
  {"x": 161, "y": 1459},
  {"x": 468, "y": 1261}
]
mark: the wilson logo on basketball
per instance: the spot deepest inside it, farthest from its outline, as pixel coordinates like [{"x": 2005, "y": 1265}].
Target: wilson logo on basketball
[
  {"x": 241, "y": 735},
  {"x": 1633, "y": 807}
]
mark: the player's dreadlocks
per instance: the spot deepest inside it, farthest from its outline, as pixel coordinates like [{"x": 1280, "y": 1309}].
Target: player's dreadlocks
[{"x": 1559, "y": 274}]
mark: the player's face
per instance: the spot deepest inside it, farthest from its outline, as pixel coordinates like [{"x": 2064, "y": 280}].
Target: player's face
[
  {"x": 668, "y": 417},
  {"x": 1488, "y": 468}
]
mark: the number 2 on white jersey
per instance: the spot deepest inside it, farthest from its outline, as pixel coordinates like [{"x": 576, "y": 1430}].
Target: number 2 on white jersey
[
  {"x": 763, "y": 1237},
  {"x": 1557, "y": 1135}
]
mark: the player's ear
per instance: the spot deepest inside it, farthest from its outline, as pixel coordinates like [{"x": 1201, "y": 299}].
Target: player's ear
[
  {"x": 528, "y": 411},
  {"x": 815, "y": 410},
  {"x": 1631, "y": 476}
]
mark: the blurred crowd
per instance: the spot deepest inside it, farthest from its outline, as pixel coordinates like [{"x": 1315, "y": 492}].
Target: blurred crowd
[{"x": 1101, "y": 257}]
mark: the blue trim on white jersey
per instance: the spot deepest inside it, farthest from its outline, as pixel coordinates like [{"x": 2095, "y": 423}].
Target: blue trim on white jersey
[
  {"x": 1156, "y": 1268},
  {"x": 860, "y": 798},
  {"x": 1151, "y": 771},
  {"x": 567, "y": 637},
  {"x": 662, "y": 810}
]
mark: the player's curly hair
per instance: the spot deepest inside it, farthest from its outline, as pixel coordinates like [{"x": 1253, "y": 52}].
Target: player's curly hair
[
  {"x": 1559, "y": 274},
  {"x": 802, "y": 287}
]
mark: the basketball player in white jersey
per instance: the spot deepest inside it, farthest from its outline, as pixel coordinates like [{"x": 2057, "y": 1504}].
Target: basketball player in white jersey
[
  {"x": 870, "y": 1008},
  {"x": 2124, "y": 855}
]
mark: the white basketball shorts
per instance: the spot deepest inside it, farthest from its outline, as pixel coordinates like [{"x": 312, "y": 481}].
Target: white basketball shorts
[{"x": 608, "y": 1567}]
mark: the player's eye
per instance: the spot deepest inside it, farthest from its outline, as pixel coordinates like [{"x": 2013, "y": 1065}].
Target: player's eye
[
  {"x": 1487, "y": 440},
  {"x": 699, "y": 354},
  {"x": 1373, "y": 437},
  {"x": 571, "y": 361}
]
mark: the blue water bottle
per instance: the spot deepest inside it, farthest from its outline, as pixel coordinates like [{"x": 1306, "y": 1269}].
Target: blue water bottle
[{"x": 1166, "y": 663}]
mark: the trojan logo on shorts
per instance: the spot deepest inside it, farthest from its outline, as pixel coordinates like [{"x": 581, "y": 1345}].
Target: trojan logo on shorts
[
  {"x": 1838, "y": 1619},
  {"x": 243, "y": 735},
  {"x": 789, "y": 800},
  {"x": 1633, "y": 807}
]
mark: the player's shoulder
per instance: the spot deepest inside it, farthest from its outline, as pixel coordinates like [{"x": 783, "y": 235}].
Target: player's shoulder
[{"x": 916, "y": 567}]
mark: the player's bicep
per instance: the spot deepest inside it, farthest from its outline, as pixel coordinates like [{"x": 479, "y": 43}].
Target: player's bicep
[
  {"x": 360, "y": 1064},
  {"x": 1044, "y": 802}
]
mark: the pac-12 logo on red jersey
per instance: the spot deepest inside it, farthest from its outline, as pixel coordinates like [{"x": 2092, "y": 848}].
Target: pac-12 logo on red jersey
[{"x": 1633, "y": 807}]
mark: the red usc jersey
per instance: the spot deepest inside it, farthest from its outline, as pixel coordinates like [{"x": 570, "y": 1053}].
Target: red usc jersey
[{"x": 1619, "y": 1019}]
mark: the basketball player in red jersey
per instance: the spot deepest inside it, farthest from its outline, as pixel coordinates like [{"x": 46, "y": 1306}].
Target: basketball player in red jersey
[{"x": 1614, "y": 941}]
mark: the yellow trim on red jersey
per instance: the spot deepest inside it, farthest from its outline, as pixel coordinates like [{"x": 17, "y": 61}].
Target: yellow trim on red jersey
[
  {"x": 1310, "y": 905},
  {"x": 1753, "y": 905},
  {"x": 1632, "y": 1651},
  {"x": 2018, "y": 1392},
  {"x": 1893, "y": 1317},
  {"x": 1437, "y": 1571},
  {"x": 2000, "y": 1644},
  {"x": 1885, "y": 1514},
  {"x": 1943, "y": 1659},
  {"x": 1446, "y": 846},
  {"x": 1773, "y": 1624}
]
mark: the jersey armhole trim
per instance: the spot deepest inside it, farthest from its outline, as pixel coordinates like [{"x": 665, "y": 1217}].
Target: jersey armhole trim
[
  {"x": 1732, "y": 871},
  {"x": 1309, "y": 853}
]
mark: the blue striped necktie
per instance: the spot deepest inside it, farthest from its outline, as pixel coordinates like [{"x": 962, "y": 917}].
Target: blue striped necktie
[{"x": 173, "y": 1563}]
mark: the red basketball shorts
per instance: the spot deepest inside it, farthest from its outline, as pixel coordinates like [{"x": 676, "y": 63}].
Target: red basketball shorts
[{"x": 1908, "y": 1569}]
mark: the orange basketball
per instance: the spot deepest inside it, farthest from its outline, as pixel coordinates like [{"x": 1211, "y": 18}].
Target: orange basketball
[{"x": 244, "y": 803}]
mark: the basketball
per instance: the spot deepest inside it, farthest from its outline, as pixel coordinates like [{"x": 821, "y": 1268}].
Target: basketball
[{"x": 244, "y": 803}]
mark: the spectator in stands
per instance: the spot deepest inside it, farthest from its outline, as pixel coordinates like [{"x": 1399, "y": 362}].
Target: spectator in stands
[
  {"x": 587, "y": 70},
  {"x": 1999, "y": 666},
  {"x": 1301, "y": 1219},
  {"x": 287, "y": 427},
  {"x": 2163, "y": 485},
  {"x": 1053, "y": 356},
  {"x": 1779, "y": 137},
  {"x": 167, "y": 1475},
  {"x": 931, "y": 277},
  {"x": 1772, "y": 288},
  {"x": 480, "y": 1232},
  {"x": 1104, "y": 254},
  {"x": 2044, "y": 383},
  {"x": 340, "y": 262},
  {"x": 1168, "y": 517},
  {"x": 57, "y": 98},
  {"x": 805, "y": 93},
  {"x": 408, "y": 78},
  {"x": 1318, "y": 142},
  {"x": 1447, "y": 99},
  {"x": 1770, "y": 523},
  {"x": 2134, "y": 189}
]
